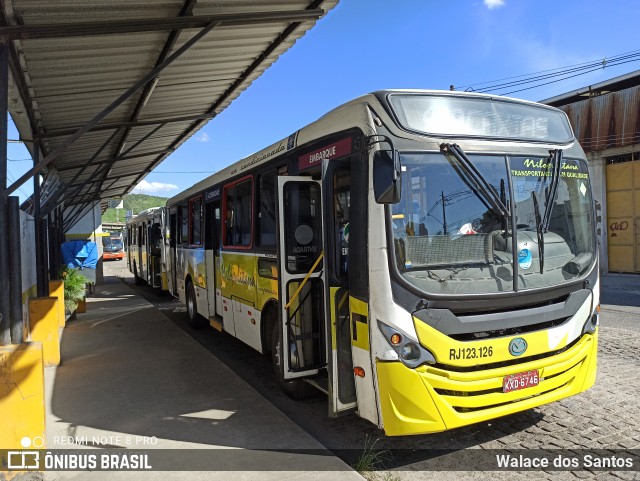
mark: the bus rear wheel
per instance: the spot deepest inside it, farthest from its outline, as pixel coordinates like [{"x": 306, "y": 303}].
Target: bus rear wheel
[
  {"x": 296, "y": 389},
  {"x": 196, "y": 321},
  {"x": 137, "y": 281}
]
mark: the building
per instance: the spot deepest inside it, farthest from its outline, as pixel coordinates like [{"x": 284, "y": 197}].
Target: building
[{"x": 606, "y": 120}]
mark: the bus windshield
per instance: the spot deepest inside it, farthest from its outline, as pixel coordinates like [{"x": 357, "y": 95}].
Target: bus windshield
[
  {"x": 112, "y": 244},
  {"x": 450, "y": 237}
]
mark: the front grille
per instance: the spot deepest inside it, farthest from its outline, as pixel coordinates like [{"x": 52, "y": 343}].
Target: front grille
[
  {"x": 511, "y": 331},
  {"x": 533, "y": 305},
  {"x": 482, "y": 408}
]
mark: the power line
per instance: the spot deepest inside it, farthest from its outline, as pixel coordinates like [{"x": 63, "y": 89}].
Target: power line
[
  {"x": 12, "y": 179},
  {"x": 545, "y": 71},
  {"x": 561, "y": 79},
  {"x": 546, "y": 77}
]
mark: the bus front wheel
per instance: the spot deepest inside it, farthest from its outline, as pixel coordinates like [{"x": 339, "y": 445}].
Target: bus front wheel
[{"x": 296, "y": 389}]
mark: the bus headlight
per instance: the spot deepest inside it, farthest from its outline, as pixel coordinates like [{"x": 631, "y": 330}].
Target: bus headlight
[{"x": 410, "y": 352}]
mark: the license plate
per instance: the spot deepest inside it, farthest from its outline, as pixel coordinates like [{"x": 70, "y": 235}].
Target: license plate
[{"x": 521, "y": 380}]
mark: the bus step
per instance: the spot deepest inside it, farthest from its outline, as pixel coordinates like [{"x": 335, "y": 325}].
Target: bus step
[
  {"x": 216, "y": 324},
  {"x": 321, "y": 383}
]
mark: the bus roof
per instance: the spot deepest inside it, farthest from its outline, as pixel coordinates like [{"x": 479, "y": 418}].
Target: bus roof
[
  {"x": 300, "y": 137},
  {"x": 342, "y": 117},
  {"x": 145, "y": 214}
]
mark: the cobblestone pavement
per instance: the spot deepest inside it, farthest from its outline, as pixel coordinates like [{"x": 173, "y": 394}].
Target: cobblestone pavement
[{"x": 605, "y": 417}]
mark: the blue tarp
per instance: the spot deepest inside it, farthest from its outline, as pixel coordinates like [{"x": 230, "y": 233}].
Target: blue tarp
[{"x": 80, "y": 254}]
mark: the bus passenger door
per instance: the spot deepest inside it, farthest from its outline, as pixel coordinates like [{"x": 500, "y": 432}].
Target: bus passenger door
[
  {"x": 212, "y": 252},
  {"x": 171, "y": 264},
  {"x": 139, "y": 254},
  {"x": 301, "y": 276},
  {"x": 337, "y": 191}
]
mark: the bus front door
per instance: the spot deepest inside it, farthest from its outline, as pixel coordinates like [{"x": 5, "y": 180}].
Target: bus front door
[
  {"x": 337, "y": 191},
  {"x": 301, "y": 277}
]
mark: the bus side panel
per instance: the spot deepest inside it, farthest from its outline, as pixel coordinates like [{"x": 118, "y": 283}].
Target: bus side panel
[
  {"x": 181, "y": 273},
  {"x": 267, "y": 280},
  {"x": 211, "y": 288},
  {"x": 238, "y": 287},
  {"x": 218, "y": 284},
  {"x": 361, "y": 354},
  {"x": 192, "y": 264}
]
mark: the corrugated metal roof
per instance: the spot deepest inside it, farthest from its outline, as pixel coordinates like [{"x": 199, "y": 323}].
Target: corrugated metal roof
[
  {"x": 615, "y": 84},
  {"x": 606, "y": 121},
  {"x": 71, "y": 59}
]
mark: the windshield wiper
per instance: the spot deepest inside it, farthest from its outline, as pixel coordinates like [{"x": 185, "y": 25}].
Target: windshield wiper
[
  {"x": 477, "y": 179},
  {"x": 542, "y": 222},
  {"x": 555, "y": 157},
  {"x": 539, "y": 230}
]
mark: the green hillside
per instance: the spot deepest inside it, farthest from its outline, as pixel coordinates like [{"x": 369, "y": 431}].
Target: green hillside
[{"x": 136, "y": 203}]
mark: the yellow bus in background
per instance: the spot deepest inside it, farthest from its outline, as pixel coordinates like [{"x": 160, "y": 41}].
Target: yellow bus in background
[
  {"x": 427, "y": 259},
  {"x": 145, "y": 246}
]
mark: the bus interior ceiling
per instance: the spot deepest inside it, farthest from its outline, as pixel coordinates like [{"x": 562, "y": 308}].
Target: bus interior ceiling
[{"x": 97, "y": 94}]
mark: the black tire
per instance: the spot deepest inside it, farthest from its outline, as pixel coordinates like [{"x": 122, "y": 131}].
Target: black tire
[
  {"x": 136, "y": 279},
  {"x": 297, "y": 389},
  {"x": 196, "y": 321}
]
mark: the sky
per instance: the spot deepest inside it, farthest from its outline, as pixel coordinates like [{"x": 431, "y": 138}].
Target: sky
[{"x": 365, "y": 45}]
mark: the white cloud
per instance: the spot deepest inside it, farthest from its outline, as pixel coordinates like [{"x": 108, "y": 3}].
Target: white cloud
[
  {"x": 203, "y": 137},
  {"x": 491, "y": 4},
  {"x": 145, "y": 187}
]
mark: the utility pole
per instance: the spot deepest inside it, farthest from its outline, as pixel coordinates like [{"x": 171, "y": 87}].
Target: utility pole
[{"x": 444, "y": 214}]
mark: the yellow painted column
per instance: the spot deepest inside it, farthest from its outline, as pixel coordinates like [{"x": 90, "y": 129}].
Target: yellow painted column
[
  {"x": 22, "y": 411},
  {"x": 56, "y": 289},
  {"x": 43, "y": 323}
]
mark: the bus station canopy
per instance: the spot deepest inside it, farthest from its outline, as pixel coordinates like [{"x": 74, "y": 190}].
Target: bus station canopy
[{"x": 102, "y": 91}]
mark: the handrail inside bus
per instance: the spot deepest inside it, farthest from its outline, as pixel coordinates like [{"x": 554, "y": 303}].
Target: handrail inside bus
[{"x": 304, "y": 281}]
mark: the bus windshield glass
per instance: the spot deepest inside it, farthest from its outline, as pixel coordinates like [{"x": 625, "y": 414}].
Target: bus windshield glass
[
  {"x": 112, "y": 244},
  {"x": 450, "y": 237},
  {"x": 449, "y": 115}
]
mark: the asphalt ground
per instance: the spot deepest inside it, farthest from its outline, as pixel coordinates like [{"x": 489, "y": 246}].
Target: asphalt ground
[
  {"x": 604, "y": 418},
  {"x": 131, "y": 380}
]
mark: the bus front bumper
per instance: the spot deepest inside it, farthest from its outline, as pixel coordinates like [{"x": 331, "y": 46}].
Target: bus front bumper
[{"x": 431, "y": 399}]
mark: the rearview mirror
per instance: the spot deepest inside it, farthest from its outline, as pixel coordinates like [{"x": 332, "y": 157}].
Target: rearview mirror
[{"x": 387, "y": 186}]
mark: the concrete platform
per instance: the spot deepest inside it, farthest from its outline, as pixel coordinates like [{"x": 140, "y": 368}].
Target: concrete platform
[{"x": 131, "y": 379}]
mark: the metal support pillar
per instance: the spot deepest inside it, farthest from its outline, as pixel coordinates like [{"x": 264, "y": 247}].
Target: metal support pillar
[
  {"x": 42, "y": 264},
  {"x": 41, "y": 257},
  {"x": 5, "y": 322},
  {"x": 5, "y": 298},
  {"x": 54, "y": 264},
  {"x": 15, "y": 272}
]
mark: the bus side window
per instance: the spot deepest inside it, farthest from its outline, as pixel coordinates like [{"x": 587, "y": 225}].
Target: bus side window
[
  {"x": 267, "y": 210},
  {"x": 217, "y": 226},
  {"x": 173, "y": 228},
  {"x": 211, "y": 226},
  {"x": 238, "y": 200},
  {"x": 195, "y": 207},
  {"x": 342, "y": 205},
  {"x": 184, "y": 224}
]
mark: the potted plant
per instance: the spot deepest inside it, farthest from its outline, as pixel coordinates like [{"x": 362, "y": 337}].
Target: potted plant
[{"x": 74, "y": 289}]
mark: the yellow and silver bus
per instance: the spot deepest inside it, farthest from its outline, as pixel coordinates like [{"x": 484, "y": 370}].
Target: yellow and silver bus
[
  {"x": 145, "y": 246},
  {"x": 425, "y": 258}
]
